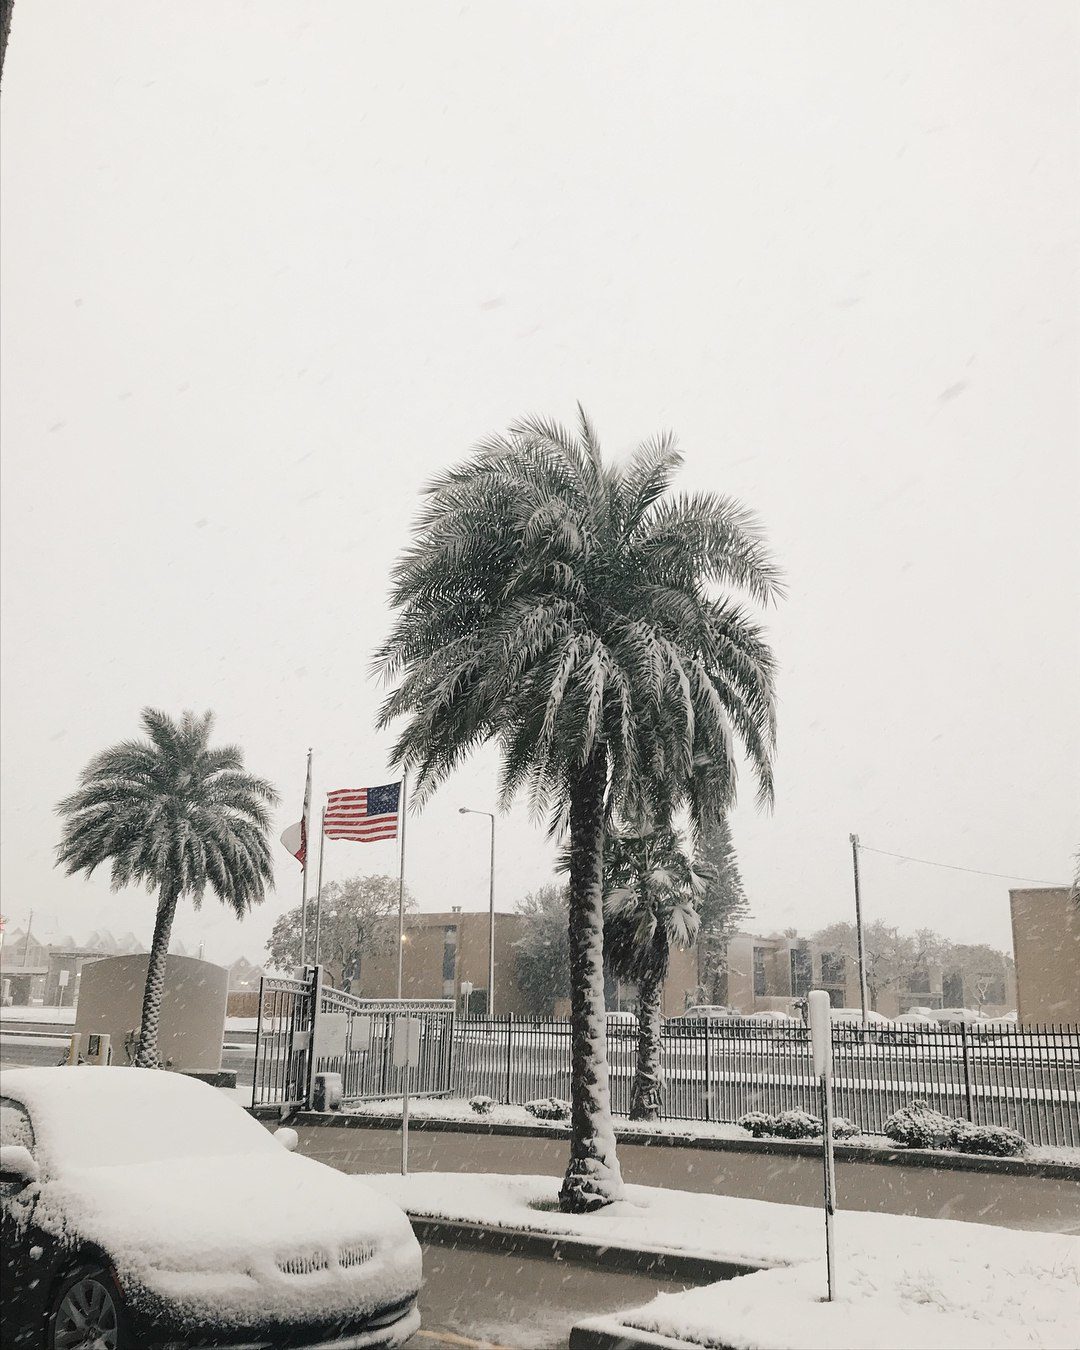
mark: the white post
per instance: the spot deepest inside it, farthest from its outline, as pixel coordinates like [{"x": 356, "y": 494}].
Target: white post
[
  {"x": 821, "y": 1040},
  {"x": 401, "y": 888},
  {"x": 405, "y": 1126},
  {"x": 406, "y": 1052}
]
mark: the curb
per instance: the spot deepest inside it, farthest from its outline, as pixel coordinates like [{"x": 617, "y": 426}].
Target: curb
[
  {"x": 609, "y": 1334},
  {"x": 578, "y": 1250},
  {"x": 605, "y": 1333},
  {"x": 783, "y": 1148}
]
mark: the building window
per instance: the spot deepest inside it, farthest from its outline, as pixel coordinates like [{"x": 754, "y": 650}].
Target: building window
[
  {"x": 832, "y": 970},
  {"x": 802, "y": 971},
  {"x": 759, "y": 972},
  {"x": 449, "y": 954},
  {"x": 919, "y": 981}
]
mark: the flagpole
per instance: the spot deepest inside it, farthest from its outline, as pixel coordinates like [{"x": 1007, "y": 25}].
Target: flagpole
[
  {"x": 401, "y": 890},
  {"x": 303, "y": 865},
  {"x": 318, "y": 892}
]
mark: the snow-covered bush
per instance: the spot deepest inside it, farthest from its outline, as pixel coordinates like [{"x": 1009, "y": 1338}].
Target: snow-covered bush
[
  {"x": 759, "y": 1123},
  {"x": 794, "y": 1124},
  {"x": 993, "y": 1140},
  {"x": 843, "y": 1129},
  {"x": 548, "y": 1108},
  {"x": 482, "y": 1105},
  {"x": 920, "y": 1126},
  {"x": 797, "y": 1124}
]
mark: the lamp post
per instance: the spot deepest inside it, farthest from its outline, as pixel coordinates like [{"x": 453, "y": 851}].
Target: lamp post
[{"x": 468, "y": 811}]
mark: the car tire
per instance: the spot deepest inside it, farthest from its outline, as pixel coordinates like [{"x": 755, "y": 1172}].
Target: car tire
[{"x": 87, "y": 1294}]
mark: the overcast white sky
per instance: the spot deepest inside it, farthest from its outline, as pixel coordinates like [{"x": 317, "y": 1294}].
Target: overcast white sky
[{"x": 267, "y": 267}]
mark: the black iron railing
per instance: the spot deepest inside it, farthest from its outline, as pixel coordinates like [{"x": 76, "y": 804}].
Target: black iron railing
[{"x": 1025, "y": 1078}]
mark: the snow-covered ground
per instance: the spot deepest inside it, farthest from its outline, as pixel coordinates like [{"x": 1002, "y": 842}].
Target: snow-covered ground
[
  {"x": 902, "y": 1281},
  {"x": 457, "y": 1108}
]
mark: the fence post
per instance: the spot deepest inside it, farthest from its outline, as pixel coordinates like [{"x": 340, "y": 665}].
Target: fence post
[
  {"x": 315, "y": 995},
  {"x": 509, "y": 1053},
  {"x": 967, "y": 1070},
  {"x": 258, "y": 1034},
  {"x": 708, "y": 1079}
]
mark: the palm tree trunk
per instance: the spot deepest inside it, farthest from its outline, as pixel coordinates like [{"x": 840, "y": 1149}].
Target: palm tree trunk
[
  {"x": 147, "y": 1056},
  {"x": 646, "y": 1097},
  {"x": 592, "y": 1177}
]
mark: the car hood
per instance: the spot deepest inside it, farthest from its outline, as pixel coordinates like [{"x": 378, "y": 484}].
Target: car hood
[{"x": 237, "y": 1235}]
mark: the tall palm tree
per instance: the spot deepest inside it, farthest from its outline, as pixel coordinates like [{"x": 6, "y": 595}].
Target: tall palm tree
[
  {"x": 564, "y": 607},
  {"x": 651, "y": 886},
  {"x": 175, "y": 815}
]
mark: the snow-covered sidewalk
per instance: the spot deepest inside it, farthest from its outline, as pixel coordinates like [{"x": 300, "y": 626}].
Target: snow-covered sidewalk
[{"x": 903, "y": 1281}]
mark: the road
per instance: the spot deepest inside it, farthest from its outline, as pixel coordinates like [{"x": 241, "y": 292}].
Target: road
[
  {"x": 19, "y": 1049},
  {"x": 473, "y": 1298}
]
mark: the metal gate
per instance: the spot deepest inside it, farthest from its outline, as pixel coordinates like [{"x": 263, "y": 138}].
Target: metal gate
[
  {"x": 355, "y": 1039},
  {"x": 283, "y": 1037}
]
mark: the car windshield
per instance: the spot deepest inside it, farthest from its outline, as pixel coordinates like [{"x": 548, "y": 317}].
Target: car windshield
[{"x": 110, "y": 1117}]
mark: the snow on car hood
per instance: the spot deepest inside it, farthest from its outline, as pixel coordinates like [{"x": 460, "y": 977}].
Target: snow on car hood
[{"x": 233, "y": 1236}]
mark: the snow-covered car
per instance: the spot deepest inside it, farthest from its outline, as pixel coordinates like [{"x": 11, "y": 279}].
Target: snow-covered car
[
  {"x": 142, "y": 1209},
  {"x": 622, "y": 1024},
  {"x": 849, "y": 1023},
  {"x": 916, "y": 1017},
  {"x": 974, "y": 1021},
  {"x": 782, "y": 1025},
  {"x": 695, "y": 1018}
]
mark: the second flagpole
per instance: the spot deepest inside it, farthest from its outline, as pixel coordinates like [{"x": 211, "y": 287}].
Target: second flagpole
[
  {"x": 318, "y": 884},
  {"x": 401, "y": 891}
]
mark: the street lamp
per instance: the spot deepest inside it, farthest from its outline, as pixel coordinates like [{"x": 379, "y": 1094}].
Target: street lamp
[{"x": 468, "y": 811}]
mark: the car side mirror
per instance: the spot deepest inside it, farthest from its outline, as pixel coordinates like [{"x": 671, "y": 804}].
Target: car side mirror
[
  {"x": 17, "y": 1163},
  {"x": 287, "y": 1138}
]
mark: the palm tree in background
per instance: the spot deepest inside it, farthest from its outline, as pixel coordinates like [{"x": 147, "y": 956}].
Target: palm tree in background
[
  {"x": 651, "y": 887},
  {"x": 566, "y": 608},
  {"x": 175, "y": 815}
]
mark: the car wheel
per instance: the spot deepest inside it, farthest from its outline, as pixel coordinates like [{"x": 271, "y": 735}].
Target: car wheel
[{"x": 87, "y": 1313}]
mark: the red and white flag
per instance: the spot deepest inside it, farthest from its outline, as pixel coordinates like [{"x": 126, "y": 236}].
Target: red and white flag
[
  {"x": 295, "y": 836},
  {"x": 363, "y": 814}
]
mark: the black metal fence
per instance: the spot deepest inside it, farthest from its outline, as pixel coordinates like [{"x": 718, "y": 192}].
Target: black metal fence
[{"x": 1025, "y": 1078}]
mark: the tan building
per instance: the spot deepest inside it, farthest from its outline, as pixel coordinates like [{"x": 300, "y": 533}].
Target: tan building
[
  {"x": 775, "y": 973},
  {"x": 1046, "y": 944},
  {"x": 444, "y": 951}
]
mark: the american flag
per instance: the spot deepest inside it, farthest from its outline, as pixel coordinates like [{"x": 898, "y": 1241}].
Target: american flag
[{"x": 363, "y": 814}]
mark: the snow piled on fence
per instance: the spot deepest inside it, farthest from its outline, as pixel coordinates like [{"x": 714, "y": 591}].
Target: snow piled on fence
[{"x": 903, "y": 1281}]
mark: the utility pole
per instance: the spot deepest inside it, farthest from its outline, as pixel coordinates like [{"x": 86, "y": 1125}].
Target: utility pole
[
  {"x": 859, "y": 925},
  {"x": 26, "y": 943}
]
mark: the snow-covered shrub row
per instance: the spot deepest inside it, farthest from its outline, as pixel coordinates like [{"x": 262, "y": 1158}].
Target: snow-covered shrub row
[
  {"x": 483, "y": 1106},
  {"x": 794, "y": 1124},
  {"x": 993, "y": 1140},
  {"x": 548, "y": 1108},
  {"x": 920, "y": 1126}
]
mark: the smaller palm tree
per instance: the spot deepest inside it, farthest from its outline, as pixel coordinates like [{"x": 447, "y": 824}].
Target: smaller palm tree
[
  {"x": 175, "y": 815},
  {"x": 650, "y": 886}
]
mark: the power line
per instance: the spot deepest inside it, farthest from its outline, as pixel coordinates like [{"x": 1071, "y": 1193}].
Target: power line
[{"x": 975, "y": 871}]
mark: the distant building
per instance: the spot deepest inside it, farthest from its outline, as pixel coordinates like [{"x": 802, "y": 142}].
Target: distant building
[
  {"x": 1046, "y": 943},
  {"x": 24, "y": 965},
  {"x": 775, "y": 973},
  {"x": 244, "y": 977},
  {"x": 64, "y": 974},
  {"x": 444, "y": 951}
]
